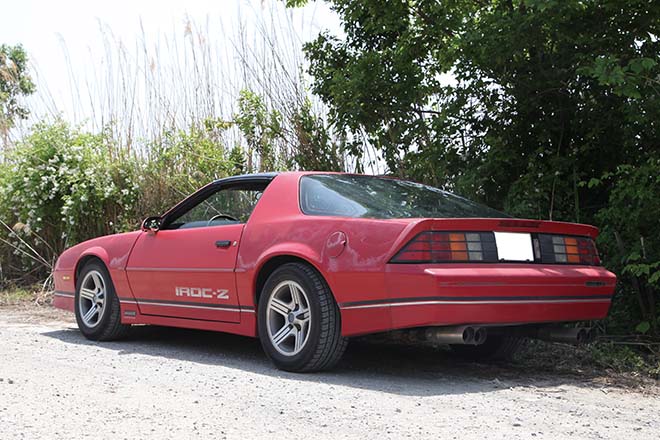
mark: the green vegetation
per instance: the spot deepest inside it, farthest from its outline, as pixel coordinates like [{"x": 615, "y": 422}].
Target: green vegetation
[
  {"x": 62, "y": 185},
  {"x": 15, "y": 83},
  {"x": 623, "y": 358}
]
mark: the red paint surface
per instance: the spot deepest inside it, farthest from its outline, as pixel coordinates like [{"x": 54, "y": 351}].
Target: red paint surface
[
  {"x": 185, "y": 258},
  {"x": 148, "y": 267}
]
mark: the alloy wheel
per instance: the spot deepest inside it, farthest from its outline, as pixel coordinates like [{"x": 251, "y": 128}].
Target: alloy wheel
[
  {"x": 91, "y": 298},
  {"x": 288, "y": 318}
]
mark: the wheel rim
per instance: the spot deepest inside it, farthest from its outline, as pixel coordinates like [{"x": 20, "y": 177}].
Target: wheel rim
[
  {"x": 91, "y": 298},
  {"x": 288, "y": 318}
]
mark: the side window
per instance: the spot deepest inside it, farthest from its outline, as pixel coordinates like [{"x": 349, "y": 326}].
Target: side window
[{"x": 224, "y": 207}]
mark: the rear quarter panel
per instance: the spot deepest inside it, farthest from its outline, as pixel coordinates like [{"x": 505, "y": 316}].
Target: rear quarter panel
[{"x": 278, "y": 227}]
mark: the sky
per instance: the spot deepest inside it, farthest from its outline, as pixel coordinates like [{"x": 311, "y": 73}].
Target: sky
[{"x": 65, "y": 39}]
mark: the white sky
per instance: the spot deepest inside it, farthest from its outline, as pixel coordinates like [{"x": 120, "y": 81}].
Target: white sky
[{"x": 64, "y": 34}]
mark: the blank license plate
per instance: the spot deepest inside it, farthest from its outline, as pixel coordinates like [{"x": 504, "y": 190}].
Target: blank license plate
[{"x": 514, "y": 246}]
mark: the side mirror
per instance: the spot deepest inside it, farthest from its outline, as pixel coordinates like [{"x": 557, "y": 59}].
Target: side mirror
[{"x": 151, "y": 224}]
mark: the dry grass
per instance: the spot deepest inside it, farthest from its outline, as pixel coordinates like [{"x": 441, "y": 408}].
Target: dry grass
[
  {"x": 137, "y": 91},
  {"x": 32, "y": 295}
]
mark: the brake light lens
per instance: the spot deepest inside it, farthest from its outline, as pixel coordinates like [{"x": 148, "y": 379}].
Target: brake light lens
[
  {"x": 447, "y": 247},
  {"x": 481, "y": 247},
  {"x": 568, "y": 250}
]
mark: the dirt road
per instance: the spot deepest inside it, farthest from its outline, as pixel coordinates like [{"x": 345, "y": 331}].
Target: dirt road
[{"x": 168, "y": 383}]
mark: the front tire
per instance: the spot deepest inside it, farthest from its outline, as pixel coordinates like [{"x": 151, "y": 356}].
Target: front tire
[
  {"x": 299, "y": 321},
  {"x": 97, "y": 307}
]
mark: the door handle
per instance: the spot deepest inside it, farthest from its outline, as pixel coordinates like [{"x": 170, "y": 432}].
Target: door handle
[{"x": 223, "y": 243}]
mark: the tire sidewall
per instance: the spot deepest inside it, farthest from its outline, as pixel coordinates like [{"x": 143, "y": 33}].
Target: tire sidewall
[
  {"x": 290, "y": 273},
  {"x": 96, "y": 331}
]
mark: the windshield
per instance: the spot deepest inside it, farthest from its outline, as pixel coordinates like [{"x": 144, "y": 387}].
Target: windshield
[{"x": 347, "y": 195}]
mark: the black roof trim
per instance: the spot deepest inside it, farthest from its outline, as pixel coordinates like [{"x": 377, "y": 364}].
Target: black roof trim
[{"x": 245, "y": 178}]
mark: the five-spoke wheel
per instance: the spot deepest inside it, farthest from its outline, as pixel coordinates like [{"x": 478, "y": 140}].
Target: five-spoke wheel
[
  {"x": 97, "y": 307},
  {"x": 92, "y": 298},
  {"x": 299, "y": 321},
  {"x": 288, "y": 318}
]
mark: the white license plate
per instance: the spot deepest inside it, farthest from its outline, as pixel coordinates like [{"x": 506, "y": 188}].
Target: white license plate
[{"x": 514, "y": 246}]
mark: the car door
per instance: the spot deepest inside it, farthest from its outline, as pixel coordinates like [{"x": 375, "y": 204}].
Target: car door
[{"x": 186, "y": 268}]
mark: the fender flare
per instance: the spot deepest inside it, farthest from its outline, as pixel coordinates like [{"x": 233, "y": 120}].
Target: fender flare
[
  {"x": 297, "y": 251},
  {"x": 95, "y": 252}
]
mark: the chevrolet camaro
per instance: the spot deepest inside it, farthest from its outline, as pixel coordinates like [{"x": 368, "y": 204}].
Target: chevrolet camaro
[{"x": 306, "y": 260}]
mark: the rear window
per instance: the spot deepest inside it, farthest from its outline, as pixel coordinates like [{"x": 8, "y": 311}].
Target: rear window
[{"x": 346, "y": 195}]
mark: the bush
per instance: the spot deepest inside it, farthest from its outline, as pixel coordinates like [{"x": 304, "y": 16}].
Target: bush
[
  {"x": 61, "y": 186},
  {"x": 181, "y": 162},
  {"x": 630, "y": 240}
]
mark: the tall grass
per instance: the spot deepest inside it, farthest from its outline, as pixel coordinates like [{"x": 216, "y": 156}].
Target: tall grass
[{"x": 138, "y": 90}]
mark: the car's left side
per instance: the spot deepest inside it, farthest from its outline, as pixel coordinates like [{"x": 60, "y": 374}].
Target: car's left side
[{"x": 202, "y": 265}]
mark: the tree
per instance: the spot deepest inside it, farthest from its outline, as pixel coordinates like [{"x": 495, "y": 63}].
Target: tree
[
  {"x": 538, "y": 87},
  {"x": 15, "y": 83},
  {"x": 523, "y": 104}
]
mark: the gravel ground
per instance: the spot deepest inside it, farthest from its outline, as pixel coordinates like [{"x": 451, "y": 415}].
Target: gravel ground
[{"x": 170, "y": 383}]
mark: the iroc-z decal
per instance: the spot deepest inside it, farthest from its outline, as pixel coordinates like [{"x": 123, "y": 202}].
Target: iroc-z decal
[{"x": 201, "y": 292}]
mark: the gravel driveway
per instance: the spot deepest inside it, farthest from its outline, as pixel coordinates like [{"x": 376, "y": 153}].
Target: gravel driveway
[{"x": 169, "y": 383}]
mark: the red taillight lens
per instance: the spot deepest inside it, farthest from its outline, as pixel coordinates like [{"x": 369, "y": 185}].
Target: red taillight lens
[
  {"x": 568, "y": 250},
  {"x": 444, "y": 247}
]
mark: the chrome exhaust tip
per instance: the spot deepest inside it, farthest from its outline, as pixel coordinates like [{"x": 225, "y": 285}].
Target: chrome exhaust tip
[
  {"x": 460, "y": 335},
  {"x": 480, "y": 336},
  {"x": 576, "y": 336}
]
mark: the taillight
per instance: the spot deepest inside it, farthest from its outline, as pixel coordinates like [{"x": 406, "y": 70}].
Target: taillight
[
  {"x": 567, "y": 250},
  {"x": 445, "y": 247},
  {"x": 481, "y": 247}
]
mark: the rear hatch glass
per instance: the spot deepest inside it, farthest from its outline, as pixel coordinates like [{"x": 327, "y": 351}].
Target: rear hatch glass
[{"x": 348, "y": 195}]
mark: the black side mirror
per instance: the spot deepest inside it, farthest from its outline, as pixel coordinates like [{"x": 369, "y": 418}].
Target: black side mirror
[{"x": 151, "y": 224}]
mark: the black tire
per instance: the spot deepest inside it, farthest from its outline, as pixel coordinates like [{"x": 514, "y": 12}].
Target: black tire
[
  {"x": 495, "y": 348},
  {"x": 324, "y": 345},
  {"x": 109, "y": 326}
]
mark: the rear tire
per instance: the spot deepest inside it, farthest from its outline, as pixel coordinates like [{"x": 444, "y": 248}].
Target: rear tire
[
  {"x": 299, "y": 321},
  {"x": 97, "y": 309},
  {"x": 495, "y": 348}
]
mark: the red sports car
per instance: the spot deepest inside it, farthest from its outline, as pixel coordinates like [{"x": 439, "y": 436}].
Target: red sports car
[{"x": 305, "y": 260}]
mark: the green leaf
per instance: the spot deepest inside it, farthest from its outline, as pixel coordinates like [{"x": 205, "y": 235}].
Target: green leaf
[
  {"x": 295, "y": 3},
  {"x": 655, "y": 278},
  {"x": 643, "y": 327},
  {"x": 648, "y": 63}
]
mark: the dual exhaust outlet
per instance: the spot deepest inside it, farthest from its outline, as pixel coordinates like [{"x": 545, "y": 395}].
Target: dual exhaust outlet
[
  {"x": 476, "y": 335},
  {"x": 464, "y": 335},
  {"x": 578, "y": 335}
]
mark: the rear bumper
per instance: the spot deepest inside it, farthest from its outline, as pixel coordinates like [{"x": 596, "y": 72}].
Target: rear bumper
[{"x": 422, "y": 295}]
